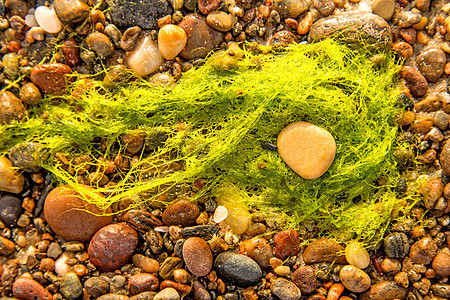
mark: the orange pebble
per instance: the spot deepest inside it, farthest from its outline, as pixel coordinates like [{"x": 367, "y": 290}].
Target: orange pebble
[{"x": 335, "y": 291}]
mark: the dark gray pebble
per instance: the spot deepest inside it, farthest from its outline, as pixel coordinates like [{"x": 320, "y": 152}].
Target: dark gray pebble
[
  {"x": 396, "y": 245},
  {"x": 205, "y": 232},
  {"x": 238, "y": 268},
  {"x": 10, "y": 210}
]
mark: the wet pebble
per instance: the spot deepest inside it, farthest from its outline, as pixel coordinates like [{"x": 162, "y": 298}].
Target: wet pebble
[
  {"x": 423, "y": 251},
  {"x": 11, "y": 108},
  {"x": 396, "y": 245},
  {"x": 207, "y": 6},
  {"x": 291, "y": 8},
  {"x": 167, "y": 294},
  {"x": 415, "y": 81},
  {"x": 145, "y": 58},
  {"x": 112, "y": 246},
  {"x": 357, "y": 255},
  {"x": 29, "y": 289},
  {"x": 199, "y": 291},
  {"x": 354, "y": 279},
  {"x": 168, "y": 266},
  {"x": 383, "y": 291},
  {"x": 47, "y": 19},
  {"x": 146, "y": 264},
  {"x": 114, "y": 34},
  {"x": 285, "y": 289},
  {"x": 51, "y": 78},
  {"x": 11, "y": 65},
  {"x": 441, "y": 290},
  {"x": 28, "y": 156},
  {"x": 445, "y": 158},
  {"x": 237, "y": 268},
  {"x": 71, "y": 52},
  {"x": 113, "y": 296},
  {"x": 96, "y": 286},
  {"x": 71, "y": 11},
  {"x": 182, "y": 212},
  {"x": 307, "y": 149},
  {"x": 6, "y": 246},
  {"x": 325, "y": 7},
  {"x": 100, "y": 44},
  {"x": 384, "y": 8},
  {"x": 142, "y": 282},
  {"x": 30, "y": 94},
  {"x": 441, "y": 264},
  {"x": 391, "y": 266},
  {"x": 10, "y": 209},
  {"x": 221, "y": 21},
  {"x": 171, "y": 40},
  {"x": 10, "y": 179},
  {"x": 62, "y": 213},
  {"x": 323, "y": 250},
  {"x": 130, "y": 38},
  {"x": 143, "y": 296},
  {"x": 286, "y": 243},
  {"x": 431, "y": 63},
  {"x": 201, "y": 38},
  {"x": 117, "y": 76},
  {"x": 408, "y": 18},
  {"x": 431, "y": 192},
  {"x": 70, "y": 286},
  {"x": 197, "y": 256},
  {"x": 404, "y": 49},
  {"x": 305, "y": 278}
]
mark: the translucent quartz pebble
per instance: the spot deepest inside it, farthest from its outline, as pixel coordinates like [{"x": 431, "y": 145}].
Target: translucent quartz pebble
[
  {"x": 47, "y": 19},
  {"x": 220, "y": 214},
  {"x": 145, "y": 58},
  {"x": 171, "y": 40},
  {"x": 307, "y": 149},
  {"x": 357, "y": 255},
  {"x": 30, "y": 20}
]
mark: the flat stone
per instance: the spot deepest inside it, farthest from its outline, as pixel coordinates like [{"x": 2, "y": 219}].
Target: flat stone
[
  {"x": 431, "y": 191},
  {"x": 71, "y": 11},
  {"x": 10, "y": 180},
  {"x": 441, "y": 264},
  {"x": 28, "y": 156},
  {"x": 307, "y": 149},
  {"x": 384, "y": 8},
  {"x": 285, "y": 289},
  {"x": 130, "y": 38},
  {"x": 197, "y": 256},
  {"x": 415, "y": 81},
  {"x": 182, "y": 212},
  {"x": 396, "y": 245},
  {"x": 386, "y": 290},
  {"x": 441, "y": 290},
  {"x": 11, "y": 108},
  {"x": 145, "y": 58},
  {"x": 47, "y": 19},
  {"x": 143, "y": 13},
  {"x": 25, "y": 288},
  {"x": 10, "y": 209},
  {"x": 354, "y": 279},
  {"x": 112, "y": 246},
  {"x": 324, "y": 250},
  {"x": 51, "y": 78},
  {"x": 237, "y": 268},
  {"x": 201, "y": 38},
  {"x": 305, "y": 278},
  {"x": 431, "y": 63},
  {"x": 68, "y": 215},
  {"x": 352, "y": 29},
  {"x": 205, "y": 232},
  {"x": 70, "y": 286}
]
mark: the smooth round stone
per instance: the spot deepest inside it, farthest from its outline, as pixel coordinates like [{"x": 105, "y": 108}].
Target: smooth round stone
[
  {"x": 285, "y": 289},
  {"x": 305, "y": 278},
  {"x": 70, "y": 286},
  {"x": 171, "y": 40},
  {"x": 415, "y": 81},
  {"x": 396, "y": 245},
  {"x": 113, "y": 296},
  {"x": 197, "y": 256},
  {"x": 25, "y": 288},
  {"x": 291, "y": 8},
  {"x": 238, "y": 268},
  {"x": 145, "y": 58},
  {"x": 146, "y": 264},
  {"x": 11, "y": 108},
  {"x": 354, "y": 279},
  {"x": 47, "y": 19},
  {"x": 112, "y": 246},
  {"x": 431, "y": 63},
  {"x": 71, "y": 11},
  {"x": 142, "y": 282},
  {"x": 10, "y": 180},
  {"x": 408, "y": 18},
  {"x": 100, "y": 44},
  {"x": 96, "y": 286},
  {"x": 357, "y": 255},
  {"x": 307, "y": 149},
  {"x": 441, "y": 264},
  {"x": 182, "y": 212},
  {"x": 325, "y": 7},
  {"x": 384, "y": 290},
  {"x": 384, "y": 8},
  {"x": 10, "y": 210},
  {"x": 167, "y": 294},
  {"x": 423, "y": 251},
  {"x": 323, "y": 250},
  {"x": 220, "y": 20},
  {"x": 220, "y": 214},
  {"x": 28, "y": 156},
  {"x": 30, "y": 21},
  {"x": 441, "y": 290},
  {"x": 11, "y": 65},
  {"x": 51, "y": 78},
  {"x": 6, "y": 246},
  {"x": 444, "y": 158},
  {"x": 30, "y": 94},
  {"x": 71, "y": 217}
]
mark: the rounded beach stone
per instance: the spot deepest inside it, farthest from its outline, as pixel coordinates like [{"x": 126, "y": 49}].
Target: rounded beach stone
[
  {"x": 415, "y": 81},
  {"x": 51, "y": 78},
  {"x": 145, "y": 57},
  {"x": 431, "y": 63},
  {"x": 96, "y": 286},
  {"x": 71, "y": 11},
  {"x": 70, "y": 286},
  {"x": 384, "y": 290},
  {"x": 182, "y": 212},
  {"x": 197, "y": 256},
  {"x": 11, "y": 108},
  {"x": 112, "y": 246},
  {"x": 47, "y": 19},
  {"x": 305, "y": 278},
  {"x": 396, "y": 245},
  {"x": 171, "y": 40},
  {"x": 237, "y": 268},
  {"x": 384, "y": 8},
  {"x": 30, "y": 94},
  {"x": 10, "y": 210},
  {"x": 27, "y": 289},
  {"x": 286, "y": 243},
  {"x": 142, "y": 282},
  {"x": 100, "y": 44},
  {"x": 354, "y": 279},
  {"x": 10, "y": 180},
  {"x": 307, "y": 149},
  {"x": 441, "y": 264},
  {"x": 67, "y": 214},
  {"x": 357, "y": 255},
  {"x": 324, "y": 250},
  {"x": 220, "y": 20},
  {"x": 285, "y": 289}
]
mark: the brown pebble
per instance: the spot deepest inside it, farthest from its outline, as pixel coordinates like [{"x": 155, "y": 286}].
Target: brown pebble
[
  {"x": 51, "y": 78},
  {"x": 182, "y": 212},
  {"x": 71, "y": 217},
  {"x": 47, "y": 265},
  {"x": 431, "y": 63},
  {"x": 146, "y": 264},
  {"x": 130, "y": 38},
  {"x": 428, "y": 157},
  {"x": 445, "y": 158},
  {"x": 30, "y": 94},
  {"x": 423, "y": 251},
  {"x": 71, "y": 52},
  {"x": 305, "y": 21},
  {"x": 335, "y": 291},
  {"x": 71, "y": 11},
  {"x": 305, "y": 278},
  {"x": 415, "y": 81},
  {"x": 142, "y": 282},
  {"x": 384, "y": 8},
  {"x": 112, "y": 246},
  {"x": 199, "y": 291},
  {"x": 100, "y": 44},
  {"x": 406, "y": 118},
  {"x": 404, "y": 49},
  {"x": 325, "y": 7},
  {"x": 29, "y": 289},
  {"x": 430, "y": 104},
  {"x": 207, "y": 6},
  {"x": 409, "y": 35},
  {"x": 422, "y": 37},
  {"x": 11, "y": 108},
  {"x": 286, "y": 243},
  {"x": 11, "y": 180},
  {"x": 6, "y": 246},
  {"x": 181, "y": 288},
  {"x": 431, "y": 192},
  {"x": 324, "y": 250},
  {"x": 354, "y": 279},
  {"x": 391, "y": 266},
  {"x": 441, "y": 264},
  {"x": 422, "y": 125},
  {"x": 283, "y": 38},
  {"x": 386, "y": 290},
  {"x": 198, "y": 256}
]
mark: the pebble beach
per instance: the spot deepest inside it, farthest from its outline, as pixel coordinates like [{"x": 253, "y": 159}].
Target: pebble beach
[{"x": 204, "y": 250}]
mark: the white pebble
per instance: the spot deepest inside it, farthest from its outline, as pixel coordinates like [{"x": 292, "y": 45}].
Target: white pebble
[
  {"x": 30, "y": 20},
  {"x": 47, "y": 19},
  {"x": 61, "y": 268},
  {"x": 162, "y": 229},
  {"x": 220, "y": 214},
  {"x": 145, "y": 58}
]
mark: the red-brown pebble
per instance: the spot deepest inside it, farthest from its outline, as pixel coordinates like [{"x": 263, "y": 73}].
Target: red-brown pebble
[
  {"x": 423, "y": 251},
  {"x": 445, "y": 158},
  {"x": 112, "y": 246},
  {"x": 305, "y": 278},
  {"x": 182, "y": 212},
  {"x": 181, "y": 288},
  {"x": 415, "y": 81},
  {"x": 51, "y": 78},
  {"x": 198, "y": 256},
  {"x": 404, "y": 49},
  {"x": 335, "y": 291},
  {"x": 6, "y": 246},
  {"x": 71, "y": 52},
  {"x": 286, "y": 243},
  {"x": 441, "y": 264},
  {"x": 324, "y": 250},
  {"x": 11, "y": 108},
  {"x": 142, "y": 282},
  {"x": 29, "y": 289},
  {"x": 64, "y": 210}
]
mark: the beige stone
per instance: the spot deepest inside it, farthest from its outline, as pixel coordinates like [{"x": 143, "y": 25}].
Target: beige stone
[
  {"x": 384, "y": 8},
  {"x": 145, "y": 58},
  {"x": 307, "y": 149},
  {"x": 11, "y": 180}
]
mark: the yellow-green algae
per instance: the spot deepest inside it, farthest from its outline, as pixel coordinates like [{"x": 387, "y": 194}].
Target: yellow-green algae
[{"x": 219, "y": 116}]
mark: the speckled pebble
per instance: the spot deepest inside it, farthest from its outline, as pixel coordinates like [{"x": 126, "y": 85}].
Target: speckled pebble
[
  {"x": 415, "y": 81},
  {"x": 96, "y": 286},
  {"x": 197, "y": 256},
  {"x": 441, "y": 264},
  {"x": 29, "y": 289},
  {"x": 10, "y": 179},
  {"x": 285, "y": 289},
  {"x": 142, "y": 282},
  {"x": 431, "y": 63},
  {"x": 396, "y": 245},
  {"x": 130, "y": 38},
  {"x": 354, "y": 279},
  {"x": 423, "y": 251},
  {"x": 167, "y": 294},
  {"x": 30, "y": 94},
  {"x": 384, "y": 8},
  {"x": 100, "y": 44},
  {"x": 51, "y": 78},
  {"x": 182, "y": 212},
  {"x": 286, "y": 243},
  {"x": 323, "y": 250},
  {"x": 305, "y": 278},
  {"x": 71, "y": 11},
  {"x": 70, "y": 286},
  {"x": 11, "y": 108}
]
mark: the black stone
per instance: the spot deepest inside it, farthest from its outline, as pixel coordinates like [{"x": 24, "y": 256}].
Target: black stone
[
  {"x": 238, "y": 268},
  {"x": 205, "y": 232},
  {"x": 396, "y": 245},
  {"x": 142, "y": 13},
  {"x": 10, "y": 210}
]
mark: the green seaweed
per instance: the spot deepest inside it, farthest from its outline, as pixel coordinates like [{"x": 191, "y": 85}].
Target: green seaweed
[{"x": 217, "y": 119}]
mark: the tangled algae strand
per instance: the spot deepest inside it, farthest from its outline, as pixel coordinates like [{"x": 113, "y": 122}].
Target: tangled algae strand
[{"x": 216, "y": 120}]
